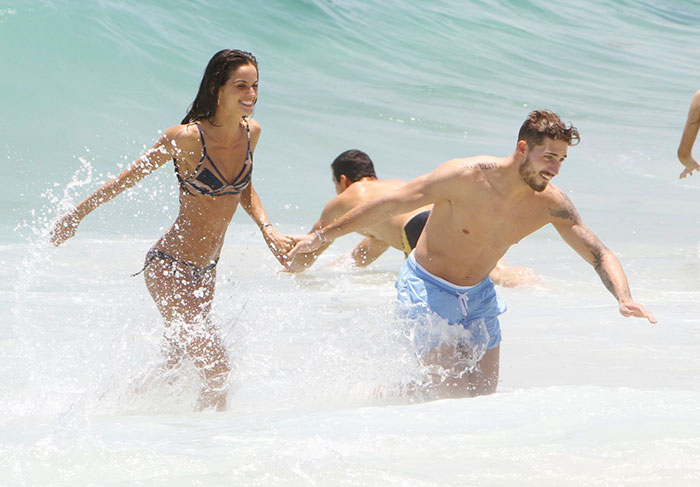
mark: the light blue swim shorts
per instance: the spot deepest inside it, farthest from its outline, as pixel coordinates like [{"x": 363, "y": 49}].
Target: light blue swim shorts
[{"x": 476, "y": 307}]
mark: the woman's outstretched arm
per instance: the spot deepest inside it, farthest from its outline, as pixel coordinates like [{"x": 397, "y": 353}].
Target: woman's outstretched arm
[{"x": 162, "y": 151}]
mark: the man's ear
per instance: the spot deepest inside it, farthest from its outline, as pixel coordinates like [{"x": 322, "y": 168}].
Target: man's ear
[
  {"x": 521, "y": 148},
  {"x": 344, "y": 181}
]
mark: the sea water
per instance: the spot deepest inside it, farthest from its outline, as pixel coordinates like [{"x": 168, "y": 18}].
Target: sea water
[{"x": 586, "y": 396}]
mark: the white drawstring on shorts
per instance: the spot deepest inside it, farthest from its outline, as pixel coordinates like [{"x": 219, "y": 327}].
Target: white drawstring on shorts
[{"x": 463, "y": 302}]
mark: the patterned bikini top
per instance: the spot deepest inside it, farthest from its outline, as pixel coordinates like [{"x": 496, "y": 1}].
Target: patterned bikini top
[{"x": 213, "y": 183}]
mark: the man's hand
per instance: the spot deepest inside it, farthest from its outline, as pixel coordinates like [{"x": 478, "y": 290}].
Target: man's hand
[
  {"x": 304, "y": 244},
  {"x": 630, "y": 308}
]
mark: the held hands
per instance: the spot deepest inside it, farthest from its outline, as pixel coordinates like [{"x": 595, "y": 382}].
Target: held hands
[
  {"x": 64, "y": 228},
  {"x": 278, "y": 243},
  {"x": 690, "y": 165},
  {"x": 630, "y": 308},
  {"x": 304, "y": 244}
]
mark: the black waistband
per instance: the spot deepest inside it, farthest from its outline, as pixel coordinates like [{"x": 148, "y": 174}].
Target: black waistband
[{"x": 414, "y": 227}]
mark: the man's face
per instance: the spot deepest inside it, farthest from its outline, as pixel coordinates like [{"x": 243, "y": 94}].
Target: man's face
[{"x": 542, "y": 163}]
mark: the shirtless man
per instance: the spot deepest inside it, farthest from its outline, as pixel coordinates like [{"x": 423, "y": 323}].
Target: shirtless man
[
  {"x": 356, "y": 182},
  {"x": 481, "y": 206}
]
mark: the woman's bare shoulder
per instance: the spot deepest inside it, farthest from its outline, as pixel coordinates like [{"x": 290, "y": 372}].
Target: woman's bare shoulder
[
  {"x": 180, "y": 141},
  {"x": 255, "y": 128},
  {"x": 182, "y": 133},
  {"x": 184, "y": 137}
]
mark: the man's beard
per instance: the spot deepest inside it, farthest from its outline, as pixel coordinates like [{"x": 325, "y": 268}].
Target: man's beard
[{"x": 531, "y": 177}]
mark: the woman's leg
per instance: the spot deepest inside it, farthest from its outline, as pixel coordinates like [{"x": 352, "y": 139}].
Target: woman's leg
[{"x": 184, "y": 301}]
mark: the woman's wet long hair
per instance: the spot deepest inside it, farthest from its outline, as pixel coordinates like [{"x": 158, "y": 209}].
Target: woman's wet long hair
[{"x": 220, "y": 67}]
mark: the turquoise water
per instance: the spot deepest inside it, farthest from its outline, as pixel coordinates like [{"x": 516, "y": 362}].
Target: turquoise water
[
  {"x": 413, "y": 85},
  {"x": 86, "y": 85}
]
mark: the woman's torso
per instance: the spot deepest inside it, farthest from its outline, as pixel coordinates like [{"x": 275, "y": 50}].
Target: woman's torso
[{"x": 212, "y": 175}]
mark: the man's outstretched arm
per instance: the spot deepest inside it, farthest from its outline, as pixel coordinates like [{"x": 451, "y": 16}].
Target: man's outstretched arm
[
  {"x": 568, "y": 223},
  {"x": 301, "y": 262},
  {"x": 422, "y": 191}
]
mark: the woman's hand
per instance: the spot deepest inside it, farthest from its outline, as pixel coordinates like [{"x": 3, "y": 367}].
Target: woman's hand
[
  {"x": 690, "y": 165},
  {"x": 278, "y": 243},
  {"x": 65, "y": 228},
  {"x": 690, "y": 133}
]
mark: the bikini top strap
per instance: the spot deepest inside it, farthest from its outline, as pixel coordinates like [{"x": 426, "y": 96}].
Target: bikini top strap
[
  {"x": 248, "y": 160},
  {"x": 201, "y": 136},
  {"x": 247, "y": 129},
  {"x": 201, "y": 160}
]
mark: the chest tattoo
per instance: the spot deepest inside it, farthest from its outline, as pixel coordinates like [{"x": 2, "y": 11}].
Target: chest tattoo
[{"x": 484, "y": 166}]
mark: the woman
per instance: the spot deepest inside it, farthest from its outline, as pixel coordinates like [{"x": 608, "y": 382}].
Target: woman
[
  {"x": 690, "y": 132},
  {"x": 213, "y": 155}
]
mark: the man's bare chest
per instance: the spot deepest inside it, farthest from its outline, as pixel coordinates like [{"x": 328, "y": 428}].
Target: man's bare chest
[{"x": 500, "y": 223}]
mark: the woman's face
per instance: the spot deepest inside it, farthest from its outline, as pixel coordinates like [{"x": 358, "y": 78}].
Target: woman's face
[{"x": 240, "y": 92}]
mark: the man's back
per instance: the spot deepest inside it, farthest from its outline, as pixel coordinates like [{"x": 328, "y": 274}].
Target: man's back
[{"x": 389, "y": 230}]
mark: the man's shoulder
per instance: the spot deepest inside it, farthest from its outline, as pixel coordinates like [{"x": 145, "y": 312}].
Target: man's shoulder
[
  {"x": 465, "y": 170},
  {"x": 558, "y": 204},
  {"x": 468, "y": 166},
  {"x": 340, "y": 204},
  {"x": 369, "y": 189},
  {"x": 554, "y": 195}
]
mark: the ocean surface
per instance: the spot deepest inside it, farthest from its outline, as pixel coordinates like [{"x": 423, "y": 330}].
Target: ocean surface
[{"x": 586, "y": 396}]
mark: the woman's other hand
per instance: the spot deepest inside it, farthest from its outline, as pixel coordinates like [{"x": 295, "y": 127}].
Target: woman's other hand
[{"x": 65, "y": 228}]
